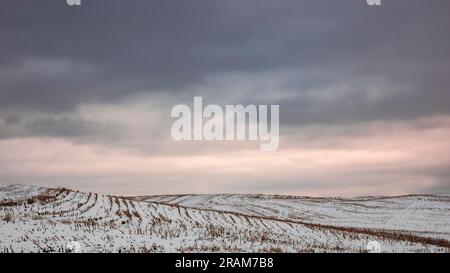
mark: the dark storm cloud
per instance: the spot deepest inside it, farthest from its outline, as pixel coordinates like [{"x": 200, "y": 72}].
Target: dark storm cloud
[
  {"x": 54, "y": 57},
  {"x": 72, "y": 128}
]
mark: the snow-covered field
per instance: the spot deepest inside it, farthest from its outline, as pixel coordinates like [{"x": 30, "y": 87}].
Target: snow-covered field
[{"x": 34, "y": 219}]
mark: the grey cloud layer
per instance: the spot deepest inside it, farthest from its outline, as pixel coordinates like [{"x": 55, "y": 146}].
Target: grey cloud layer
[{"x": 54, "y": 57}]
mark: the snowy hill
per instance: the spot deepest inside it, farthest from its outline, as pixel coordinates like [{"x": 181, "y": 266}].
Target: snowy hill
[
  {"x": 35, "y": 219},
  {"x": 425, "y": 215}
]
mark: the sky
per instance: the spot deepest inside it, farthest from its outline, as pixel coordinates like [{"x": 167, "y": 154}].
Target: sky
[{"x": 86, "y": 94}]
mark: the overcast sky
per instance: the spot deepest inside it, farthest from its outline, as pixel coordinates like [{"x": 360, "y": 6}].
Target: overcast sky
[{"x": 86, "y": 94}]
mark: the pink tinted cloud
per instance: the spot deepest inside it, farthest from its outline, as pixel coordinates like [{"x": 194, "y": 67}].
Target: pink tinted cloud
[{"x": 373, "y": 158}]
